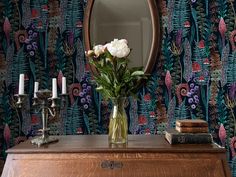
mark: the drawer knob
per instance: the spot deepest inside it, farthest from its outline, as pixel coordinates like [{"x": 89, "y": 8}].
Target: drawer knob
[{"x": 111, "y": 164}]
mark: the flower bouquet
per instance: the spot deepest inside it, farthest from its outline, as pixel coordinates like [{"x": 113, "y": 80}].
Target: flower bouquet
[{"x": 115, "y": 81}]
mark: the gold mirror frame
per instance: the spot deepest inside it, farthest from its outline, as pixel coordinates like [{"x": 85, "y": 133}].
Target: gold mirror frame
[{"x": 156, "y": 32}]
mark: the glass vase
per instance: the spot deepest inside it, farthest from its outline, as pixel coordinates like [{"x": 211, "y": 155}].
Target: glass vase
[{"x": 118, "y": 126}]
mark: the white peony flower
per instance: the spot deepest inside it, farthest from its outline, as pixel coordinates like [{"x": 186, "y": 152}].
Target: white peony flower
[
  {"x": 98, "y": 49},
  {"x": 89, "y": 53},
  {"x": 118, "y": 48}
]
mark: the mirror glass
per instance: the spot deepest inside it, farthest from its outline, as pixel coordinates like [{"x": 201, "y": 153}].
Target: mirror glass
[{"x": 123, "y": 19}]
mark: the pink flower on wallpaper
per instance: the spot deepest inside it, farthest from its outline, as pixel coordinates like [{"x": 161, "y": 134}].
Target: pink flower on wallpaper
[
  {"x": 168, "y": 80},
  {"x": 34, "y": 13},
  {"x": 79, "y": 130},
  {"x": 147, "y": 131},
  {"x": 142, "y": 120},
  {"x": 233, "y": 146},
  {"x": 206, "y": 61},
  {"x": 7, "y": 134},
  {"x": 196, "y": 67},
  {"x": 187, "y": 24},
  {"x": 152, "y": 114},
  {"x": 201, "y": 44},
  {"x": 147, "y": 97},
  {"x": 222, "y": 134},
  {"x": 233, "y": 39}
]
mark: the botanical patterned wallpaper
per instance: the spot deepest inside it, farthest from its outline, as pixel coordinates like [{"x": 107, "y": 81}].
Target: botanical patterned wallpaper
[{"x": 195, "y": 76}]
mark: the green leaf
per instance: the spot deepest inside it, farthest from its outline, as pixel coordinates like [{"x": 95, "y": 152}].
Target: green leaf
[
  {"x": 106, "y": 78},
  {"x": 137, "y": 73}
]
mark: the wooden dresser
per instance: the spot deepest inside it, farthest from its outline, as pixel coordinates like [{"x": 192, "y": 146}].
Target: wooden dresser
[{"x": 91, "y": 156}]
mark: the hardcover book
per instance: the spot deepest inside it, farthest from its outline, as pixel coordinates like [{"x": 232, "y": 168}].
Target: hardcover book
[
  {"x": 175, "y": 137},
  {"x": 191, "y": 123},
  {"x": 192, "y": 129}
]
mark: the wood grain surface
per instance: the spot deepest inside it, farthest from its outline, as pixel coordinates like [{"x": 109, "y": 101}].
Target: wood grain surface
[
  {"x": 99, "y": 143},
  {"x": 91, "y": 156}
]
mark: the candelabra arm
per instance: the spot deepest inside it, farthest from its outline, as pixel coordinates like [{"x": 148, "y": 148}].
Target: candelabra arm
[{"x": 53, "y": 112}]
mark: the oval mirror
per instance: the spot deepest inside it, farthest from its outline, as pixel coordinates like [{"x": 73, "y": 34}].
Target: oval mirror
[{"x": 134, "y": 20}]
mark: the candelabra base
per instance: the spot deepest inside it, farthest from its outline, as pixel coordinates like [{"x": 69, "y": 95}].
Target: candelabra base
[{"x": 43, "y": 140}]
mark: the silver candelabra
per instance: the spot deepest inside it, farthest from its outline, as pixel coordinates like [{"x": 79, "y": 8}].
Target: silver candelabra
[{"x": 48, "y": 105}]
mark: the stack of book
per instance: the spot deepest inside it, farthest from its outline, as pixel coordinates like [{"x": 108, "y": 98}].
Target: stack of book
[{"x": 189, "y": 132}]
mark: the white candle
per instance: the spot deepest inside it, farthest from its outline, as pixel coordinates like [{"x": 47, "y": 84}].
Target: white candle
[
  {"x": 54, "y": 88},
  {"x": 36, "y": 88},
  {"x": 21, "y": 84},
  {"x": 63, "y": 91}
]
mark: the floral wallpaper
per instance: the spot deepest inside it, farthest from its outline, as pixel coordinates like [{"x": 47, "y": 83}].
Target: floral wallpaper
[{"x": 194, "y": 77}]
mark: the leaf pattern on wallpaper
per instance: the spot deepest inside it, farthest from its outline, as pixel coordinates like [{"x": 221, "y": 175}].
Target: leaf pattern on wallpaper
[
  {"x": 164, "y": 12},
  {"x": 145, "y": 112},
  {"x": 199, "y": 114},
  {"x": 233, "y": 166},
  {"x": 187, "y": 61},
  {"x": 94, "y": 127},
  {"x": 6, "y": 24},
  {"x": 176, "y": 73},
  {"x": 213, "y": 124},
  {"x": 200, "y": 59},
  {"x": 171, "y": 5},
  {"x": 26, "y": 118},
  {"x": 230, "y": 122},
  {"x": 55, "y": 128},
  {"x": 80, "y": 63},
  {"x": 74, "y": 17},
  {"x": 52, "y": 40},
  {"x": 63, "y": 10},
  {"x": 152, "y": 84},
  {"x": 11, "y": 12},
  {"x": 222, "y": 113},
  {"x": 133, "y": 115},
  {"x": 54, "y": 13},
  {"x": 223, "y": 8},
  {"x": 74, "y": 119},
  {"x": 42, "y": 23},
  {"x": 65, "y": 62},
  {"x": 166, "y": 53},
  {"x": 182, "y": 112},
  {"x": 40, "y": 74},
  {"x": 213, "y": 11},
  {"x": 86, "y": 122},
  {"x": 171, "y": 112},
  {"x": 205, "y": 97},
  {"x": 201, "y": 19},
  {"x": 195, "y": 27},
  {"x": 224, "y": 60},
  {"x": 181, "y": 16},
  {"x": 9, "y": 59},
  {"x": 63, "y": 119},
  {"x": 26, "y": 13},
  {"x": 54, "y": 20},
  {"x": 230, "y": 17},
  {"x": 231, "y": 71},
  {"x": 19, "y": 65},
  {"x": 97, "y": 103}
]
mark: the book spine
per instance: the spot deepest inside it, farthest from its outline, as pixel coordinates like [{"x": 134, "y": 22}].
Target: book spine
[
  {"x": 192, "y": 129},
  {"x": 190, "y": 124},
  {"x": 190, "y": 139}
]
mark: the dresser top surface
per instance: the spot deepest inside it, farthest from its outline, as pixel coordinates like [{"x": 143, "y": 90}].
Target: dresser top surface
[{"x": 99, "y": 143}]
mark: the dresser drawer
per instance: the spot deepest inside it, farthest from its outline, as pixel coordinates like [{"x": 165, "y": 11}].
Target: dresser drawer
[{"x": 113, "y": 165}]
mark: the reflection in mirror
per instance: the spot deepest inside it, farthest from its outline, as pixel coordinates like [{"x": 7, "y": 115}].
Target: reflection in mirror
[{"x": 123, "y": 19}]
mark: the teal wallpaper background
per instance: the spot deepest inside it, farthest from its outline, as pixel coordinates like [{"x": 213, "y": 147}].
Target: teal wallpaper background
[{"x": 194, "y": 77}]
